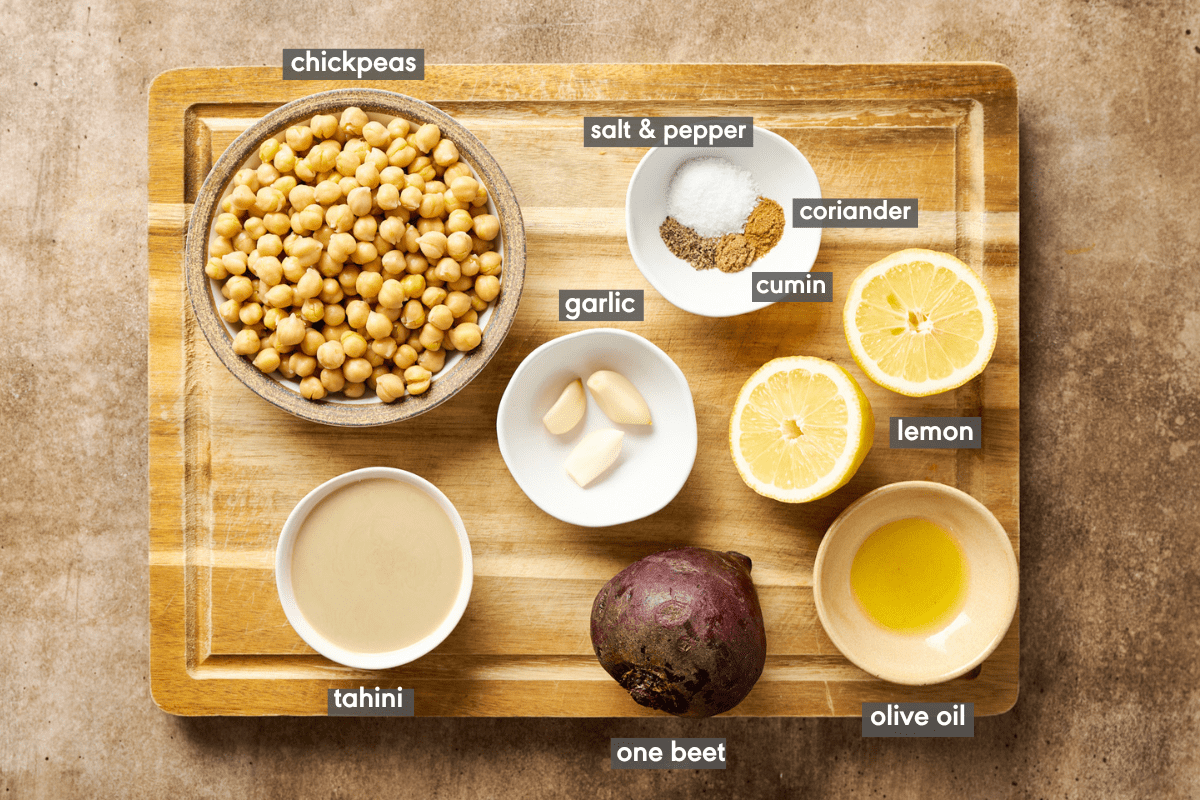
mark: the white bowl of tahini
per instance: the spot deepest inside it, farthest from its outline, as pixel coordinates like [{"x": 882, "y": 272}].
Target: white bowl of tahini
[{"x": 374, "y": 568}]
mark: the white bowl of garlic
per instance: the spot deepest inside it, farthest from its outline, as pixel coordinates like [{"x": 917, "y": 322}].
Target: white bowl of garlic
[{"x": 584, "y": 453}]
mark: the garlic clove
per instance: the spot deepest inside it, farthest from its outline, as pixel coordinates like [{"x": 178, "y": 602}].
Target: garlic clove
[
  {"x": 618, "y": 398},
  {"x": 596, "y": 453},
  {"x": 567, "y": 410}
]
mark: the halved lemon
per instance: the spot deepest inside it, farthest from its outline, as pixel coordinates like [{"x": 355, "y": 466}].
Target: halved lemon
[
  {"x": 800, "y": 429},
  {"x": 920, "y": 322}
]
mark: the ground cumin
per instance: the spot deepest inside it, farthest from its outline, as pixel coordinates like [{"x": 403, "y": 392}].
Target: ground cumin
[
  {"x": 685, "y": 243},
  {"x": 764, "y": 229},
  {"x": 734, "y": 253}
]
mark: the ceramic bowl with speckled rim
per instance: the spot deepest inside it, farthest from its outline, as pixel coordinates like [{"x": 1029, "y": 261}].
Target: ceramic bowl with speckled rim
[{"x": 460, "y": 368}]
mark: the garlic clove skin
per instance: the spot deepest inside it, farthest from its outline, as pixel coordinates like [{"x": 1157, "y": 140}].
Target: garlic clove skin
[
  {"x": 568, "y": 409},
  {"x": 618, "y": 398},
  {"x": 595, "y": 454}
]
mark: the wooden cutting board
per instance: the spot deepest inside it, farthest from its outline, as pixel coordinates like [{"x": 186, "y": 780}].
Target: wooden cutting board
[{"x": 226, "y": 468}]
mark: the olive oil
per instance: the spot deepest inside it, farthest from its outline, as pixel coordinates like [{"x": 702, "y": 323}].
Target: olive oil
[{"x": 909, "y": 576}]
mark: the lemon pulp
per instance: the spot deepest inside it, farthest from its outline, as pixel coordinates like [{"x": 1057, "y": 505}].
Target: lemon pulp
[{"x": 909, "y": 575}]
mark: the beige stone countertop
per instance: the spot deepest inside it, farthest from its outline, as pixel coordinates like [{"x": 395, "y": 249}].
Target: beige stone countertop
[{"x": 1110, "y": 539}]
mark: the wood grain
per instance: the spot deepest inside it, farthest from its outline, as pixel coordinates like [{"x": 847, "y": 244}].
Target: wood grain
[{"x": 226, "y": 467}]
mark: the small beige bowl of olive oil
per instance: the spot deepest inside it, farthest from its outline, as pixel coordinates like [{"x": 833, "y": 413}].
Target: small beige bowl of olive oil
[{"x": 916, "y": 583}]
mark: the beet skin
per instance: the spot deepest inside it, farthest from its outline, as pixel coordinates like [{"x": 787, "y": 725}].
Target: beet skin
[{"x": 682, "y": 631}]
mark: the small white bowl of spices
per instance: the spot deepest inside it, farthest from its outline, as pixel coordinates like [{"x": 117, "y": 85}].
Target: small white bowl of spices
[{"x": 701, "y": 221}]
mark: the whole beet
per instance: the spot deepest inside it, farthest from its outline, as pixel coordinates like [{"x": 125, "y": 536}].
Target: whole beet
[{"x": 682, "y": 631}]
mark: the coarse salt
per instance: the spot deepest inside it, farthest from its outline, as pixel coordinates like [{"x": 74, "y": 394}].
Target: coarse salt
[{"x": 712, "y": 196}]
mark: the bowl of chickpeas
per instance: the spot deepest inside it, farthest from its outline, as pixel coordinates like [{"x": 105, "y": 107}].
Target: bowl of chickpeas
[{"x": 355, "y": 257}]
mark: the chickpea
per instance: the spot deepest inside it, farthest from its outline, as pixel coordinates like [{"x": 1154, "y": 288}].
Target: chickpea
[
  {"x": 423, "y": 166},
  {"x": 433, "y": 205},
  {"x": 398, "y": 128},
  {"x": 272, "y": 316},
  {"x": 453, "y": 204},
  {"x": 354, "y": 390},
  {"x": 367, "y": 176},
  {"x": 347, "y": 163},
  {"x": 487, "y": 287},
  {"x": 458, "y": 245},
  {"x": 247, "y": 177},
  {"x": 417, "y": 379},
  {"x": 269, "y": 270},
  {"x": 215, "y": 269},
  {"x": 357, "y": 370},
  {"x": 354, "y": 119},
  {"x": 277, "y": 223},
  {"x": 392, "y": 230},
  {"x": 459, "y": 222},
  {"x": 376, "y": 134},
  {"x": 368, "y": 285},
  {"x": 470, "y": 316},
  {"x": 401, "y": 154},
  {"x": 447, "y": 270},
  {"x": 376, "y": 361},
  {"x": 441, "y": 317},
  {"x": 340, "y": 218},
  {"x": 487, "y": 227},
  {"x": 334, "y": 333},
  {"x": 309, "y": 285},
  {"x": 357, "y": 312},
  {"x": 425, "y": 226},
  {"x": 365, "y": 229},
  {"x": 410, "y": 241},
  {"x": 333, "y": 315},
  {"x": 405, "y": 356},
  {"x": 235, "y": 263},
  {"x": 391, "y": 313},
  {"x": 416, "y": 264},
  {"x": 365, "y": 253},
  {"x": 250, "y": 314},
  {"x": 378, "y": 326},
  {"x": 466, "y": 336},
  {"x": 331, "y": 355},
  {"x": 243, "y": 198},
  {"x": 304, "y": 170},
  {"x": 386, "y": 348},
  {"x": 458, "y": 303},
  {"x": 323, "y": 125},
  {"x": 327, "y": 193},
  {"x": 432, "y": 360},
  {"x": 348, "y": 278},
  {"x": 464, "y": 188},
  {"x": 353, "y": 344},
  {"x": 489, "y": 263},
  {"x": 359, "y": 201},
  {"x": 481, "y": 197},
  {"x": 431, "y": 337},
  {"x": 391, "y": 294},
  {"x": 227, "y": 225},
  {"x": 285, "y": 159},
  {"x": 240, "y": 288},
  {"x": 433, "y": 295},
  {"x": 412, "y": 286},
  {"x": 427, "y": 137},
  {"x": 280, "y": 296},
  {"x": 311, "y": 388},
  {"x": 387, "y": 197},
  {"x": 433, "y": 245},
  {"x": 245, "y": 343},
  {"x": 341, "y": 246},
  {"x": 310, "y": 219},
  {"x": 267, "y": 360},
  {"x": 389, "y": 387},
  {"x": 411, "y": 198},
  {"x": 463, "y": 284},
  {"x": 302, "y": 364},
  {"x": 413, "y": 316},
  {"x": 445, "y": 153},
  {"x": 470, "y": 266},
  {"x": 312, "y": 310},
  {"x": 290, "y": 331},
  {"x": 414, "y": 341}
]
